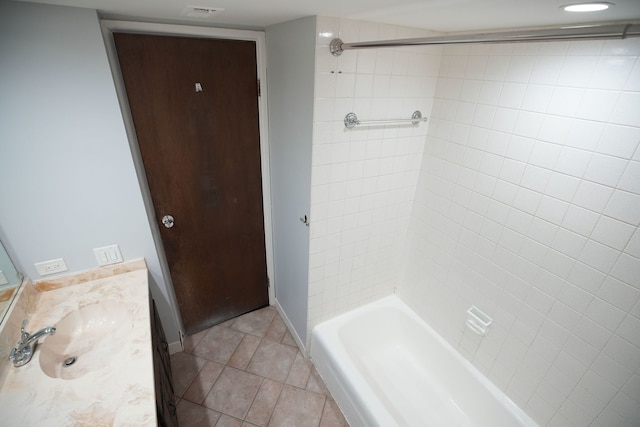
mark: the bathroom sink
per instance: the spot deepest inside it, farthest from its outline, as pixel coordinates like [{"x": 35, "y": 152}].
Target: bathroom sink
[{"x": 86, "y": 340}]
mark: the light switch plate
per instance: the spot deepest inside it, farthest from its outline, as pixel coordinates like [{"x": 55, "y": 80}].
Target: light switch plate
[
  {"x": 108, "y": 255},
  {"x": 49, "y": 267}
]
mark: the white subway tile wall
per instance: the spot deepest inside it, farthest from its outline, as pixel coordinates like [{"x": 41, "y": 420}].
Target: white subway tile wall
[
  {"x": 364, "y": 179},
  {"x": 528, "y": 206}
]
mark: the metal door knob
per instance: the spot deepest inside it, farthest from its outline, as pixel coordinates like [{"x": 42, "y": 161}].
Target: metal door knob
[{"x": 168, "y": 221}]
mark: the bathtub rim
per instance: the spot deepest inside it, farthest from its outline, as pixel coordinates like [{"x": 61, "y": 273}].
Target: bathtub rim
[
  {"x": 357, "y": 412},
  {"x": 350, "y": 396}
]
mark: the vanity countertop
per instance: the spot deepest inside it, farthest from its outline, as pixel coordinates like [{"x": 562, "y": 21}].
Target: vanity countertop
[{"x": 118, "y": 390}]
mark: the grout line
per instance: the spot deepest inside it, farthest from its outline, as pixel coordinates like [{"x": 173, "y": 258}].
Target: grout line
[
  {"x": 326, "y": 401},
  {"x": 274, "y": 406},
  {"x": 244, "y": 417},
  {"x": 252, "y": 356},
  {"x": 192, "y": 381},
  {"x": 211, "y": 388}
]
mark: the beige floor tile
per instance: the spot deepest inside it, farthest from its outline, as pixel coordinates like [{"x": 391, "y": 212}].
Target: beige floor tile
[
  {"x": 272, "y": 360},
  {"x": 227, "y": 421},
  {"x": 289, "y": 340},
  {"x": 299, "y": 373},
  {"x": 316, "y": 384},
  {"x": 184, "y": 368},
  {"x": 191, "y": 341},
  {"x": 243, "y": 354},
  {"x": 192, "y": 415},
  {"x": 276, "y": 330},
  {"x": 228, "y": 323},
  {"x": 218, "y": 344},
  {"x": 233, "y": 392},
  {"x": 265, "y": 401},
  {"x": 213, "y": 375},
  {"x": 331, "y": 415},
  {"x": 297, "y": 408},
  {"x": 256, "y": 322},
  {"x": 203, "y": 382}
]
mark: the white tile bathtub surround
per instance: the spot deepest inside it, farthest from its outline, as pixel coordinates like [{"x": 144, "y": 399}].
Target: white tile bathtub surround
[
  {"x": 528, "y": 206},
  {"x": 364, "y": 179}
]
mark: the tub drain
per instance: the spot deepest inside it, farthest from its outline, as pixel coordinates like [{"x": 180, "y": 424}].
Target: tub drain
[{"x": 68, "y": 362}]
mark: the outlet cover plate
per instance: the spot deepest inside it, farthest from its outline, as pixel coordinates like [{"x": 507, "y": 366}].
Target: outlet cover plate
[
  {"x": 50, "y": 267},
  {"x": 108, "y": 255}
]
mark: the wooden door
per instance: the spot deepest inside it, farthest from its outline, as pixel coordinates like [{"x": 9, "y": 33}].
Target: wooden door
[{"x": 194, "y": 104}]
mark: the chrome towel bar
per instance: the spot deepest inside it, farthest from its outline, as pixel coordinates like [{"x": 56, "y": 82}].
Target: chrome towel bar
[{"x": 351, "y": 120}]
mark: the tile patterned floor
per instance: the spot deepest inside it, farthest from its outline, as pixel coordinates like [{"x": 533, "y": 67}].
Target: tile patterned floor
[{"x": 248, "y": 372}]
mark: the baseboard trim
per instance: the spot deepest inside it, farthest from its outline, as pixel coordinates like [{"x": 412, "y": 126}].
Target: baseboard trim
[
  {"x": 291, "y": 329},
  {"x": 175, "y": 347}
]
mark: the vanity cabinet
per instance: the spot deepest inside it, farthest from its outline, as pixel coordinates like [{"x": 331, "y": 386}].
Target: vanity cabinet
[{"x": 165, "y": 400}]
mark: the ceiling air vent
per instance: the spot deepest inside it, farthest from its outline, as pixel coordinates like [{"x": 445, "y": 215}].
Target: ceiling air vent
[{"x": 200, "y": 12}]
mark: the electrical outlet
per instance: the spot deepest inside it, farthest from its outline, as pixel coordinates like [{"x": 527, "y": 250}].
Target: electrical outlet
[
  {"x": 108, "y": 255},
  {"x": 3, "y": 279},
  {"x": 49, "y": 267}
]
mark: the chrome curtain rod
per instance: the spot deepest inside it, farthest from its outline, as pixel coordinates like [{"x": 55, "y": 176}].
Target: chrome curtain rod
[
  {"x": 615, "y": 31},
  {"x": 351, "y": 120}
]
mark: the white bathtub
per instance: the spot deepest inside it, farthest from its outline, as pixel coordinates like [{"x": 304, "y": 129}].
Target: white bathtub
[{"x": 386, "y": 367}]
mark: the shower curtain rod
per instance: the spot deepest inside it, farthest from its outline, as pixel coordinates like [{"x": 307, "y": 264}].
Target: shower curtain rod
[{"x": 611, "y": 31}]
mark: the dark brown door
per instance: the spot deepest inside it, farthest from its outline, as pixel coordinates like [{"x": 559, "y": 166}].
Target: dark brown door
[{"x": 194, "y": 104}]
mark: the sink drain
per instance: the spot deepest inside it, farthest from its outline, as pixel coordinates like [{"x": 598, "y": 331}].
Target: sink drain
[{"x": 68, "y": 362}]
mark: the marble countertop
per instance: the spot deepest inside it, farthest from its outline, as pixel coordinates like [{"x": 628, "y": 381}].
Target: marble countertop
[{"x": 119, "y": 392}]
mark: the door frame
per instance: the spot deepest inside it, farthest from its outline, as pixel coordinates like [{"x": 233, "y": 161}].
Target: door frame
[{"x": 108, "y": 28}]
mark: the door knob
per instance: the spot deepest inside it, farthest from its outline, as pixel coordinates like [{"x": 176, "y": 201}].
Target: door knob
[{"x": 168, "y": 221}]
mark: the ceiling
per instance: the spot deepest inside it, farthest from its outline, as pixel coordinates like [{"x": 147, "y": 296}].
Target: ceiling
[{"x": 436, "y": 15}]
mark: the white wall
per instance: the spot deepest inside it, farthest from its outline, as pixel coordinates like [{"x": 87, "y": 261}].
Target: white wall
[
  {"x": 528, "y": 206},
  {"x": 67, "y": 168},
  {"x": 364, "y": 179},
  {"x": 290, "y": 65}
]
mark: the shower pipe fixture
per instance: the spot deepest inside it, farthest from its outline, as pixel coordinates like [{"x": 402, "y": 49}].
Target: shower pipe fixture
[
  {"x": 351, "y": 120},
  {"x": 575, "y": 32}
]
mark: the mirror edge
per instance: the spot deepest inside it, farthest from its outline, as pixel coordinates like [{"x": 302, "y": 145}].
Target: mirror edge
[{"x": 5, "y": 305}]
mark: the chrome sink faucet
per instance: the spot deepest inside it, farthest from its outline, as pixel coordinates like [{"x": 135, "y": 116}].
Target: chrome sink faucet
[{"x": 22, "y": 353}]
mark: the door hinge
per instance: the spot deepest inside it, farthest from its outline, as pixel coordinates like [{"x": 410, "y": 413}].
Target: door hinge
[{"x": 259, "y": 88}]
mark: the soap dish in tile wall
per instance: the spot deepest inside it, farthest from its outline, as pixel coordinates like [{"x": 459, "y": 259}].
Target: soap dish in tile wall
[{"x": 478, "y": 321}]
